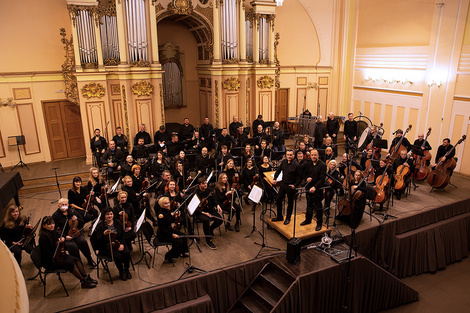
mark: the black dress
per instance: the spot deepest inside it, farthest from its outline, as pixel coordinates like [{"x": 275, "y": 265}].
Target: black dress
[
  {"x": 47, "y": 244},
  {"x": 15, "y": 234},
  {"x": 121, "y": 258},
  {"x": 165, "y": 234}
]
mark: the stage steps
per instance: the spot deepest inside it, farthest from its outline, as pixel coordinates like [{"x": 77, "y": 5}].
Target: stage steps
[
  {"x": 265, "y": 291},
  {"x": 48, "y": 183}
]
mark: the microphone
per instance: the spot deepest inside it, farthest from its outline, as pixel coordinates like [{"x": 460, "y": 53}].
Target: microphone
[{"x": 394, "y": 132}]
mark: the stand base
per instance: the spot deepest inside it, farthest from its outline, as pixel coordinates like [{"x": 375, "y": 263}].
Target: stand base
[
  {"x": 190, "y": 269},
  {"x": 20, "y": 163}
]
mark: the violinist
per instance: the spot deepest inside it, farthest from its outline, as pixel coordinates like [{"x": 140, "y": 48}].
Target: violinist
[
  {"x": 223, "y": 157},
  {"x": 404, "y": 160},
  {"x": 98, "y": 146},
  {"x": 316, "y": 173},
  {"x": 328, "y": 155},
  {"x": 140, "y": 152},
  {"x": 247, "y": 153},
  {"x": 259, "y": 134},
  {"x": 65, "y": 217},
  {"x": 14, "y": 232},
  {"x": 263, "y": 150},
  {"x": 136, "y": 199},
  {"x": 328, "y": 144},
  {"x": 121, "y": 141},
  {"x": 158, "y": 166},
  {"x": 77, "y": 196},
  {"x": 231, "y": 171},
  {"x": 332, "y": 181},
  {"x": 173, "y": 193},
  {"x": 96, "y": 184},
  {"x": 124, "y": 211},
  {"x": 126, "y": 168},
  {"x": 182, "y": 176},
  {"x": 291, "y": 179},
  {"x": 365, "y": 157},
  {"x": 350, "y": 132},
  {"x": 240, "y": 137},
  {"x": 137, "y": 179},
  {"x": 226, "y": 199},
  {"x": 369, "y": 138},
  {"x": 303, "y": 149},
  {"x": 160, "y": 187},
  {"x": 166, "y": 233},
  {"x": 248, "y": 177},
  {"x": 109, "y": 237},
  {"x": 113, "y": 157},
  {"x": 48, "y": 244},
  {"x": 204, "y": 162},
  {"x": 210, "y": 212}
]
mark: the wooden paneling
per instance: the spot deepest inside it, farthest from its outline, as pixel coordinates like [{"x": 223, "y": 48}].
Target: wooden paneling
[
  {"x": 144, "y": 114},
  {"x": 356, "y": 107},
  {"x": 367, "y": 108},
  {"x": 400, "y": 119},
  {"x": 377, "y": 113},
  {"x": 96, "y": 117},
  {"x": 282, "y": 104},
  {"x": 265, "y": 105},
  {"x": 465, "y": 166},
  {"x": 118, "y": 119},
  {"x": 301, "y": 94},
  {"x": 203, "y": 102},
  {"x": 413, "y": 120},
  {"x": 231, "y": 107},
  {"x": 28, "y": 128},
  {"x": 323, "y": 101},
  {"x": 2, "y": 148},
  {"x": 388, "y": 121},
  {"x": 72, "y": 124},
  {"x": 457, "y": 132},
  {"x": 55, "y": 130}
]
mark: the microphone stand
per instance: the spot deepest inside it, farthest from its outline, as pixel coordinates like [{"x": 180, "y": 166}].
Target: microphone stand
[{"x": 57, "y": 183}]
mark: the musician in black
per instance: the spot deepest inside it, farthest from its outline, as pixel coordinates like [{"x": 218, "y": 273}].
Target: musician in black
[
  {"x": 113, "y": 157},
  {"x": 120, "y": 210},
  {"x": 269, "y": 194},
  {"x": 98, "y": 185},
  {"x": 278, "y": 140},
  {"x": 328, "y": 155},
  {"x": 186, "y": 131},
  {"x": 302, "y": 149},
  {"x": 249, "y": 177},
  {"x": 195, "y": 144},
  {"x": 182, "y": 176},
  {"x": 63, "y": 216},
  {"x": 174, "y": 146},
  {"x": 108, "y": 236},
  {"x": 357, "y": 184},
  {"x": 48, "y": 244},
  {"x": 258, "y": 121},
  {"x": 259, "y": 134},
  {"x": 158, "y": 165},
  {"x": 142, "y": 134},
  {"x": 320, "y": 132},
  {"x": 160, "y": 188},
  {"x": 233, "y": 127},
  {"x": 137, "y": 178},
  {"x": 350, "y": 132},
  {"x": 13, "y": 232},
  {"x": 172, "y": 191},
  {"x": 240, "y": 137},
  {"x": 316, "y": 173},
  {"x": 161, "y": 138},
  {"x": 328, "y": 144},
  {"x": 225, "y": 140},
  {"x": 166, "y": 233},
  {"x": 398, "y": 137},
  {"x": 137, "y": 200},
  {"x": 366, "y": 157},
  {"x": 231, "y": 171},
  {"x": 126, "y": 167},
  {"x": 263, "y": 150},
  {"x": 77, "y": 196},
  {"x": 442, "y": 151},
  {"x": 209, "y": 211},
  {"x": 408, "y": 162},
  {"x": 207, "y": 132},
  {"x": 98, "y": 146},
  {"x": 247, "y": 153},
  {"x": 291, "y": 179},
  {"x": 303, "y": 162},
  {"x": 226, "y": 198},
  {"x": 370, "y": 136},
  {"x": 121, "y": 141},
  {"x": 204, "y": 162},
  {"x": 346, "y": 161},
  {"x": 140, "y": 152},
  {"x": 223, "y": 157},
  {"x": 419, "y": 142},
  {"x": 332, "y": 128},
  {"x": 333, "y": 181}
]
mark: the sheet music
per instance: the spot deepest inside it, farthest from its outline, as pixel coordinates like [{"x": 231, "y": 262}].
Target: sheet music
[
  {"x": 209, "y": 178},
  {"x": 192, "y": 206},
  {"x": 255, "y": 194},
  {"x": 95, "y": 224},
  {"x": 113, "y": 189},
  {"x": 140, "y": 221},
  {"x": 279, "y": 178}
]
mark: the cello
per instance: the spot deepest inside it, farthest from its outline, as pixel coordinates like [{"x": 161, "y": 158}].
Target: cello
[
  {"x": 376, "y": 151},
  {"x": 402, "y": 172},
  {"x": 422, "y": 169},
  {"x": 395, "y": 150},
  {"x": 380, "y": 185},
  {"x": 439, "y": 177}
]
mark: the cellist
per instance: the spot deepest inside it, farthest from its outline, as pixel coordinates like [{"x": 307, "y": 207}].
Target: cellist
[
  {"x": 407, "y": 162},
  {"x": 383, "y": 170},
  {"x": 442, "y": 150},
  {"x": 405, "y": 142}
]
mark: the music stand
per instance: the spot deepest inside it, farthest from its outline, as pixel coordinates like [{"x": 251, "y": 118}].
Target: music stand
[{"x": 18, "y": 141}]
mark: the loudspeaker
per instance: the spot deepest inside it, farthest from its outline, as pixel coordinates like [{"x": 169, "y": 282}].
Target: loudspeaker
[{"x": 293, "y": 250}]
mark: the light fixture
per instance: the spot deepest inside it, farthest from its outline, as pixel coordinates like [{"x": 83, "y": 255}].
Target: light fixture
[
  {"x": 8, "y": 101},
  {"x": 279, "y": 3},
  {"x": 434, "y": 83},
  {"x": 312, "y": 85}
]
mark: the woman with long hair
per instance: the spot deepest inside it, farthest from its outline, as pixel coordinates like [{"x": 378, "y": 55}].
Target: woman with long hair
[
  {"x": 77, "y": 196},
  {"x": 231, "y": 171},
  {"x": 97, "y": 184},
  {"x": 226, "y": 199}
]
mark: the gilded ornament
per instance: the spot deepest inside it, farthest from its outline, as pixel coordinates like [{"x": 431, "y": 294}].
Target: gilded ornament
[
  {"x": 93, "y": 90},
  {"x": 265, "y": 82},
  {"x": 230, "y": 61},
  {"x": 143, "y": 88},
  {"x": 180, "y": 7},
  {"x": 112, "y": 62},
  {"x": 126, "y": 115},
  {"x": 277, "y": 72},
  {"x": 68, "y": 69},
  {"x": 91, "y": 65},
  {"x": 162, "y": 104},
  {"x": 140, "y": 63},
  {"x": 216, "y": 84},
  {"x": 231, "y": 84},
  {"x": 249, "y": 59}
]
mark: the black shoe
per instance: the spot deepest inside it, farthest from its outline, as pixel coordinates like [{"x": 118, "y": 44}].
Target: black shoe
[
  {"x": 277, "y": 219},
  {"x": 169, "y": 258},
  {"x": 91, "y": 263},
  {"x": 319, "y": 227},
  {"x": 228, "y": 227},
  {"x": 87, "y": 284},
  {"x": 128, "y": 274},
  {"x": 88, "y": 277},
  {"x": 155, "y": 223},
  {"x": 237, "y": 226},
  {"x": 184, "y": 255},
  {"x": 211, "y": 245},
  {"x": 398, "y": 196},
  {"x": 306, "y": 222},
  {"x": 122, "y": 275},
  {"x": 287, "y": 221}
]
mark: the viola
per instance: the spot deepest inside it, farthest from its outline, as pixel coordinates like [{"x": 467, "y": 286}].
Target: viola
[
  {"x": 422, "y": 168},
  {"x": 113, "y": 242},
  {"x": 60, "y": 251},
  {"x": 402, "y": 172},
  {"x": 395, "y": 150},
  {"x": 205, "y": 201},
  {"x": 88, "y": 201},
  {"x": 439, "y": 177},
  {"x": 28, "y": 229}
]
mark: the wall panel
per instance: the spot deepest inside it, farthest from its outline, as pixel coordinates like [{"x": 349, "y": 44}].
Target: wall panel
[
  {"x": 301, "y": 94},
  {"x": 96, "y": 116},
  {"x": 388, "y": 122},
  {"x": 413, "y": 120},
  {"x": 356, "y": 107},
  {"x": 231, "y": 101},
  {"x": 265, "y": 105},
  {"x": 400, "y": 119},
  {"x": 457, "y": 132},
  {"x": 323, "y": 101},
  {"x": 465, "y": 166},
  {"x": 28, "y": 128},
  {"x": 2, "y": 148},
  {"x": 118, "y": 119},
  {"x": 144, "y": 114},
  {"x": 377, "y": 113}
]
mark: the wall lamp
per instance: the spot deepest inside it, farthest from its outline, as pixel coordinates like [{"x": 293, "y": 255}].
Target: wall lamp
[
  {"x": 8, "y": 101},
  {"x": 279, "y": 3},
  {"x": 434, "y": 83},
  {"x": 403, "y": 81}
]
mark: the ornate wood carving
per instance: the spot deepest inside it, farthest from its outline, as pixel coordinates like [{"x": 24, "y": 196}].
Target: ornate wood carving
[
  {"x": 68, "y": 69},
  {"x": 143, "y": 88},
  {"x": 93, "y": 90},
  {"x": 231, "y": 84},
  {"x": 180, "y": 7},
  {"x": 265, "y": 82}
]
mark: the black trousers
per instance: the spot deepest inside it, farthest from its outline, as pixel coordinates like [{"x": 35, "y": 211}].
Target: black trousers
[
  {"x": 17, "y": 251},
  {"x": 236, "y": 209},
  {"x": 76, "y": 245},
  {"x": 206, "y": 222},
  {"x": 178, "y": 245},
  {"x": 122, "y": 259},
  {"x": 89, "y": 216},
  {"x": 98, "y": 155},
  {"x": 283, "y": 191},
  {"x": 314, "y": 205}
]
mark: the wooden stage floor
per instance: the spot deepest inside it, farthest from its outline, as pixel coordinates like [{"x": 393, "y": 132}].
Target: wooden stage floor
[
  {"x": 302, "y": 232},
  {"x": 232, "y": 247}
]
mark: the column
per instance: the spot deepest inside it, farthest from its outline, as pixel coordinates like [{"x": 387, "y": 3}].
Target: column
[
  {"x": 153, "y": 33},
  {"x": 216, "y": 14},
  {"x": 256, "y": 39},
  {"x": 242, "y": 31},
  {"x": 121, "y": 31}
]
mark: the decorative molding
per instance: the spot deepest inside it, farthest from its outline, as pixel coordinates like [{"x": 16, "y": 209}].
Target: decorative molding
[
  {"x": 206, "y": 12},
  {"x": 216, "y": 85},
  {"x": 159, "y": 7},
  {"x": 202, "y": 82},
  {"x": 231, "y": 84},
  {"x": 162, "y": 104},
  {"x": 264, "y": 61},
  {"x": 277, "y": 72},
  {"x": 265, "y": 82},
  {"x": 92, "y": 11},
  {"x": 140, "y": 63},
  {"x": 112, "y": 62},
  {"x": 143, "y": 88},
  {"x": 230, "y": 61},
  {"x": 115, "y": 89},
  {"x": 109, "y": 9},
  {"x": 22, "y": 93},
  {"x": 93, "y": 90},
  {"x": 169, "y": 52},
  {"x": 92, "y": 65},
  {"x": 28, "y": 128},
  {"x": 323, "y": 81},
  {"x": 413, "y": 58},
  {"x": 68, "y": 69},
  {"x": 270, "y": 19},
  {"x": 126, "y": 114},
  {"x": 180, "y": 7},
  {"x": 302, "y": 81},
  {"x": 249, "y": 59},
  {"x": 209, "y": 83},
  {"x": 246, "y": 101}
]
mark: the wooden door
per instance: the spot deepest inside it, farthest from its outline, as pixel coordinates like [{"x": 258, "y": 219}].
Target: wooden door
[
  {"x": 282, "y": 104},
  {"x": 64, "y": 129}
]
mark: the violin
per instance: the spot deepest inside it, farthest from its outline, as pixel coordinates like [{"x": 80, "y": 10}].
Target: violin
[
  {"x": 422, "y": 168},
  {"x": 395, "y": 150},
  {"x": 74, "y": 232},
  {"x": 28, "y": 229},
  {"x": 402, "y": 172},
  {"x": 236, "y": 182},
  {"x": 88, "y": 201},
  {"x": 60, "y": 253},
  {"x": 205, "y": 201},
  {"x": 124, "y": 217},
  {"x": 439, "y": 177},
  {"x": 113, "y": 242},
  {"x": 104, "y": 196}
]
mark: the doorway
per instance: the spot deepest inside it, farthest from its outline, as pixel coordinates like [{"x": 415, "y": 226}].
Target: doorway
[
  {"x": 282, "y": 105},
  {"x": 64, "y": 129}
]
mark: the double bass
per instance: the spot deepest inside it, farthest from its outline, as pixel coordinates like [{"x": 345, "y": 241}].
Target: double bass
[
  {"x": 395, "y": 150},
  {"x": 421, "y": 167},
  {"x": 439, "y": 177},
  {"x": 376, "y": 151}
]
